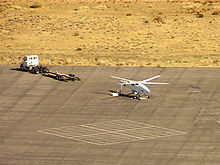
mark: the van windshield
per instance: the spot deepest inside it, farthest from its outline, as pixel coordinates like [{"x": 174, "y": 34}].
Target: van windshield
[{"x": 25, "y": 59}]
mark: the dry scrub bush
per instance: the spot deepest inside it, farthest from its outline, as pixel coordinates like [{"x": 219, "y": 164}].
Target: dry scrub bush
[
  {"x": 217, "y": 12},
  {"x": 36, "y": 5},
  {"x": 158, "y": 20}
]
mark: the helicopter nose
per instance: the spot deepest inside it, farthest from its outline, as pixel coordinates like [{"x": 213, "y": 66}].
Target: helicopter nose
[{"x": 147, "y": 89}]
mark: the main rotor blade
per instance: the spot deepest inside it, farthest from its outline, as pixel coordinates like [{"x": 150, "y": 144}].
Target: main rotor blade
[
  {"x": 121, "y": 78},
  {"x": 154, "y": 83},
  {"x": 149, "y": 79}
]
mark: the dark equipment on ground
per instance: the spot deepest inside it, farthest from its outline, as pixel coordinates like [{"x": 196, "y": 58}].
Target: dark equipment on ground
[
  {"x": 61, "y": 77},
  {"x": 39, "y": 69},
  {"x": 31, "y": 64},
  {"x": 45, "y": 72}
]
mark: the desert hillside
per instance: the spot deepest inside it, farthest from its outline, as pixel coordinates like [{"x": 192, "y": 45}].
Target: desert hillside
[{"x": 111, "y": 32}]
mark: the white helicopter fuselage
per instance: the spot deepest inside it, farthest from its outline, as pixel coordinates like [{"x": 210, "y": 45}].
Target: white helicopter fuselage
[{"x": 138, "y": 88}]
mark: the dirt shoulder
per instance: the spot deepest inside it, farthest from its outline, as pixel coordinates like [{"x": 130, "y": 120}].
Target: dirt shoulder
[{"x": 125, "y": 33}]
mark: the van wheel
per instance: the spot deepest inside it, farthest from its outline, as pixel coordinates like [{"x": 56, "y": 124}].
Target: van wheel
[
  {"x": 21, "y": 67},
  {"x": 30, "y": 67},
  {"x": 73, "y": 75}
]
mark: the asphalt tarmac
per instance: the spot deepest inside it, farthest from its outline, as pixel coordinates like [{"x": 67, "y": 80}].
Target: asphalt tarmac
[{"x": 46, "y": 122}]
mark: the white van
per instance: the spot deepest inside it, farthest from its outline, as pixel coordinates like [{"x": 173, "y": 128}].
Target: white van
[{"x": 29, "y": 62}]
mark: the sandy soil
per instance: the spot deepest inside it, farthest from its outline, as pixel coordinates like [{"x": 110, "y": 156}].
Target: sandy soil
[{"x": 111, "y": 32}]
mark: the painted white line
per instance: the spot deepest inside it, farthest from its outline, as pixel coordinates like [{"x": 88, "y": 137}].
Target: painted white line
[
  {"x": 117, "y": 142},
  {"x": 148, "y": 134},
  {"x": 168, "y": 132},
  {"x": 116, "y": 125},
  {"x": 100, "y": 141},
  {"x": 115, "y": 132},
  {"x": 82, "y": 130},
  {"x": 68, "y": 134},
  {"x": 153, "y": 130},
  {"x": 93, "y": 126},
  {"x": 111, "y": 132},
  {"x": 154, "y": 126},
  {"x": 108, "y": 138}
]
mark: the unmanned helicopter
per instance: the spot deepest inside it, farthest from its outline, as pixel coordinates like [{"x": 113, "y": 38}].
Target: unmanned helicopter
[{"x": 139, "y": 90}]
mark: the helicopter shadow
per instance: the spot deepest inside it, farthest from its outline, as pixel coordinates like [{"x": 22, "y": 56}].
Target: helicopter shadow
[{"x": 122, "y": 95}]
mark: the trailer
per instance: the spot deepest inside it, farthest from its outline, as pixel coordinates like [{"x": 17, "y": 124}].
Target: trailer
[{"x": 61, "y": 77}]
